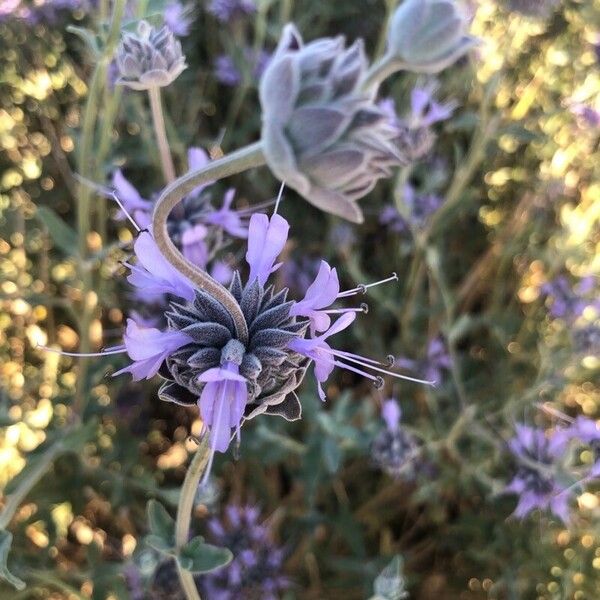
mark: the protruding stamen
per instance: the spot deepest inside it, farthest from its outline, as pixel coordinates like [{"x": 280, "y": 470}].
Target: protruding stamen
[
  {"x": 113, "y": 195},
  {"x": 364, "y": 308},
  {"x": 107, "y": 352},
  {"x": 279, "y": 197},
  {"x": 367, "y": 363},
  {"x": 363, "y": 287},
  {"x": 554, "y": 412}
]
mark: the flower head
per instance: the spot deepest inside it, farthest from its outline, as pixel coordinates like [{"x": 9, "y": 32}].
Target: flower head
[
  {"x": 536, "y": 482},
  {"x": 394, "y": 449},
  {"x": 427, "y": 36},
  {"x": 226, "y": 10},
  {"x": 322, "y": 135},
  {"x": 149, "y": 58},
  {"x": 255, "y": 571}
]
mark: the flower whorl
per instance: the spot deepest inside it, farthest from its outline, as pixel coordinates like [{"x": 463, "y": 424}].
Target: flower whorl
[{"x": 322, "y": 135}]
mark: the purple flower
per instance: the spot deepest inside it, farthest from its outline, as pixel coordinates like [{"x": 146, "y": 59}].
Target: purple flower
[
  {"x": 320, "y": 352},
  {"x": 567, "y": 301},
  {"x": 321, "y": 294},
  {"x": 394, "y": 449},
  {"x": 193, "y": 244},
  {"x": 177, "y": 18},
  {"x": 392, "y": 219},
  {"x": 224, "y": 397},
  {"x": 148, "y": 348},
  {"x": 437, "y": 361},
  {"x": 226, "y": 72},
  {"x": 226, "y": 10},
  {"x": 266, "y": 239},
  {"x": 153, "y": 274},
  {"x": 588, "y": 116},
  {"x": 424, "y": 110},
  {"x": 139, "y": 208},
  {"x": 230, "y": 72},
  {"x": 229, "y": 220},
  {"x": 255, "y": 571},
  {"x": 535, "y": 482}
]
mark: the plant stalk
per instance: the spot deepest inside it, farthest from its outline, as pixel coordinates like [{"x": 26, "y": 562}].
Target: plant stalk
[
  {"x": 236, "y": 162},
  {"x": 184, "y": 513},
  {"x": 158, "y": 119}
]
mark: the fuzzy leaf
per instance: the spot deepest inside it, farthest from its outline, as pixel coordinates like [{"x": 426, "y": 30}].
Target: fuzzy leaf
[
  {"x": 161, "y": 524},
  {"x": 199, "y": 557}
]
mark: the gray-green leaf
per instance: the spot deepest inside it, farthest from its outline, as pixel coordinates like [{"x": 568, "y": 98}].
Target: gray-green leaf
[
  {"x": 5, "y": 544},
  {"x": 198, "y": 557}
]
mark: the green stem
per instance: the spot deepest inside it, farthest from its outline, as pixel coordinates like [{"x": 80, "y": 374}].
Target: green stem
[
  {"x": 236, "y": 162},
  {"x": 184, "y": 513},
  {"x": 158, "y": 119}
]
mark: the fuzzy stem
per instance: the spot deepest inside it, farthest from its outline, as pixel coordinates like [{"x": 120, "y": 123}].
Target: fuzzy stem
[
  {"x": 236, "y": 162},
  {"x": 184, "y": 513},
  {"x": 158, "y": 119},
  {"x": 380, "y": 70}
]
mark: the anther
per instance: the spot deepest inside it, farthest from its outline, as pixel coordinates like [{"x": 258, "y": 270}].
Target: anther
[
  {"x": 390, "y": 360},
  {"x": 364, "y": 307},
  {"x": 378, "y": 382}
]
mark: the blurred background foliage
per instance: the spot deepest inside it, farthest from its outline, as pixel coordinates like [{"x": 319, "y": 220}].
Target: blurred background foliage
[{"x": 518, "y": 169}]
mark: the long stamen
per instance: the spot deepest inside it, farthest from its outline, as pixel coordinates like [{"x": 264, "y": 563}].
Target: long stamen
[
  {"x": 363, "y": 308},
  {"x": 114, "y": 196},
  {"x": 378, "y": 381},
  {"x": 107, "y": 192},
  {"x": 279, "y": 197},
  {"x": 363, "y": 287},
  {"x": 364, "y": 363},
  {"x": 242, "y": 212},
  {"x": 107, "y": 352}
]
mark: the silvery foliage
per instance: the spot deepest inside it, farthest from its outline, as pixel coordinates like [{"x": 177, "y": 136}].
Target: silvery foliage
[
  {"x": 427, "y": 36},
  {"x": 322, "y": 134},
  {"x": 390, "y": 583},
  {"x": 272, "y": 370},
  {"x": 149, "y": 58}
]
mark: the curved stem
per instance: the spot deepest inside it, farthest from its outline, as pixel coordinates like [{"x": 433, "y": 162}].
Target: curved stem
[
  {"x": 236, "y": 162},
  {"x": 158, "y": 119},
  {"x": 380, "y": 70},
  {"x": 184, "y": 513}
]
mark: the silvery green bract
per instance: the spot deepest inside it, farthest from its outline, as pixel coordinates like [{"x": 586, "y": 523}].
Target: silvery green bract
[
  {"x": 323, "y": 135},
  {"x": 427, "y": 36},
  {"x": 149, "y": 58}
]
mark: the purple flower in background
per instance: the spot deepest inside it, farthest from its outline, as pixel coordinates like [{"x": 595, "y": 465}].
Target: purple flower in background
[
  {"x": 148, "y": 348},
  {"x": 568, "y": 301},
  {"x": 588, "y": 116},
  {"x": 229, "y": 220},
  {"x": 394, "y": 449},
  {"x": 226, "y": 71},
  {"x": 535, "y": 483},
  {"x": 392, "y": 219},
  {"x": 226, "y": 10},
  {"x": 419, "y": 207},
  {"x": 433, "y": 366},
  {"x": 139, "y": 208},
  {"x": 256, "y": 569},
  {"x": 415, "y": 137},
  {"x": 231, "y": 73},
  {"x": 298, "y": 274},
  {"x": 178, "y": 18},
  {"x": 586, "y": 339}
]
